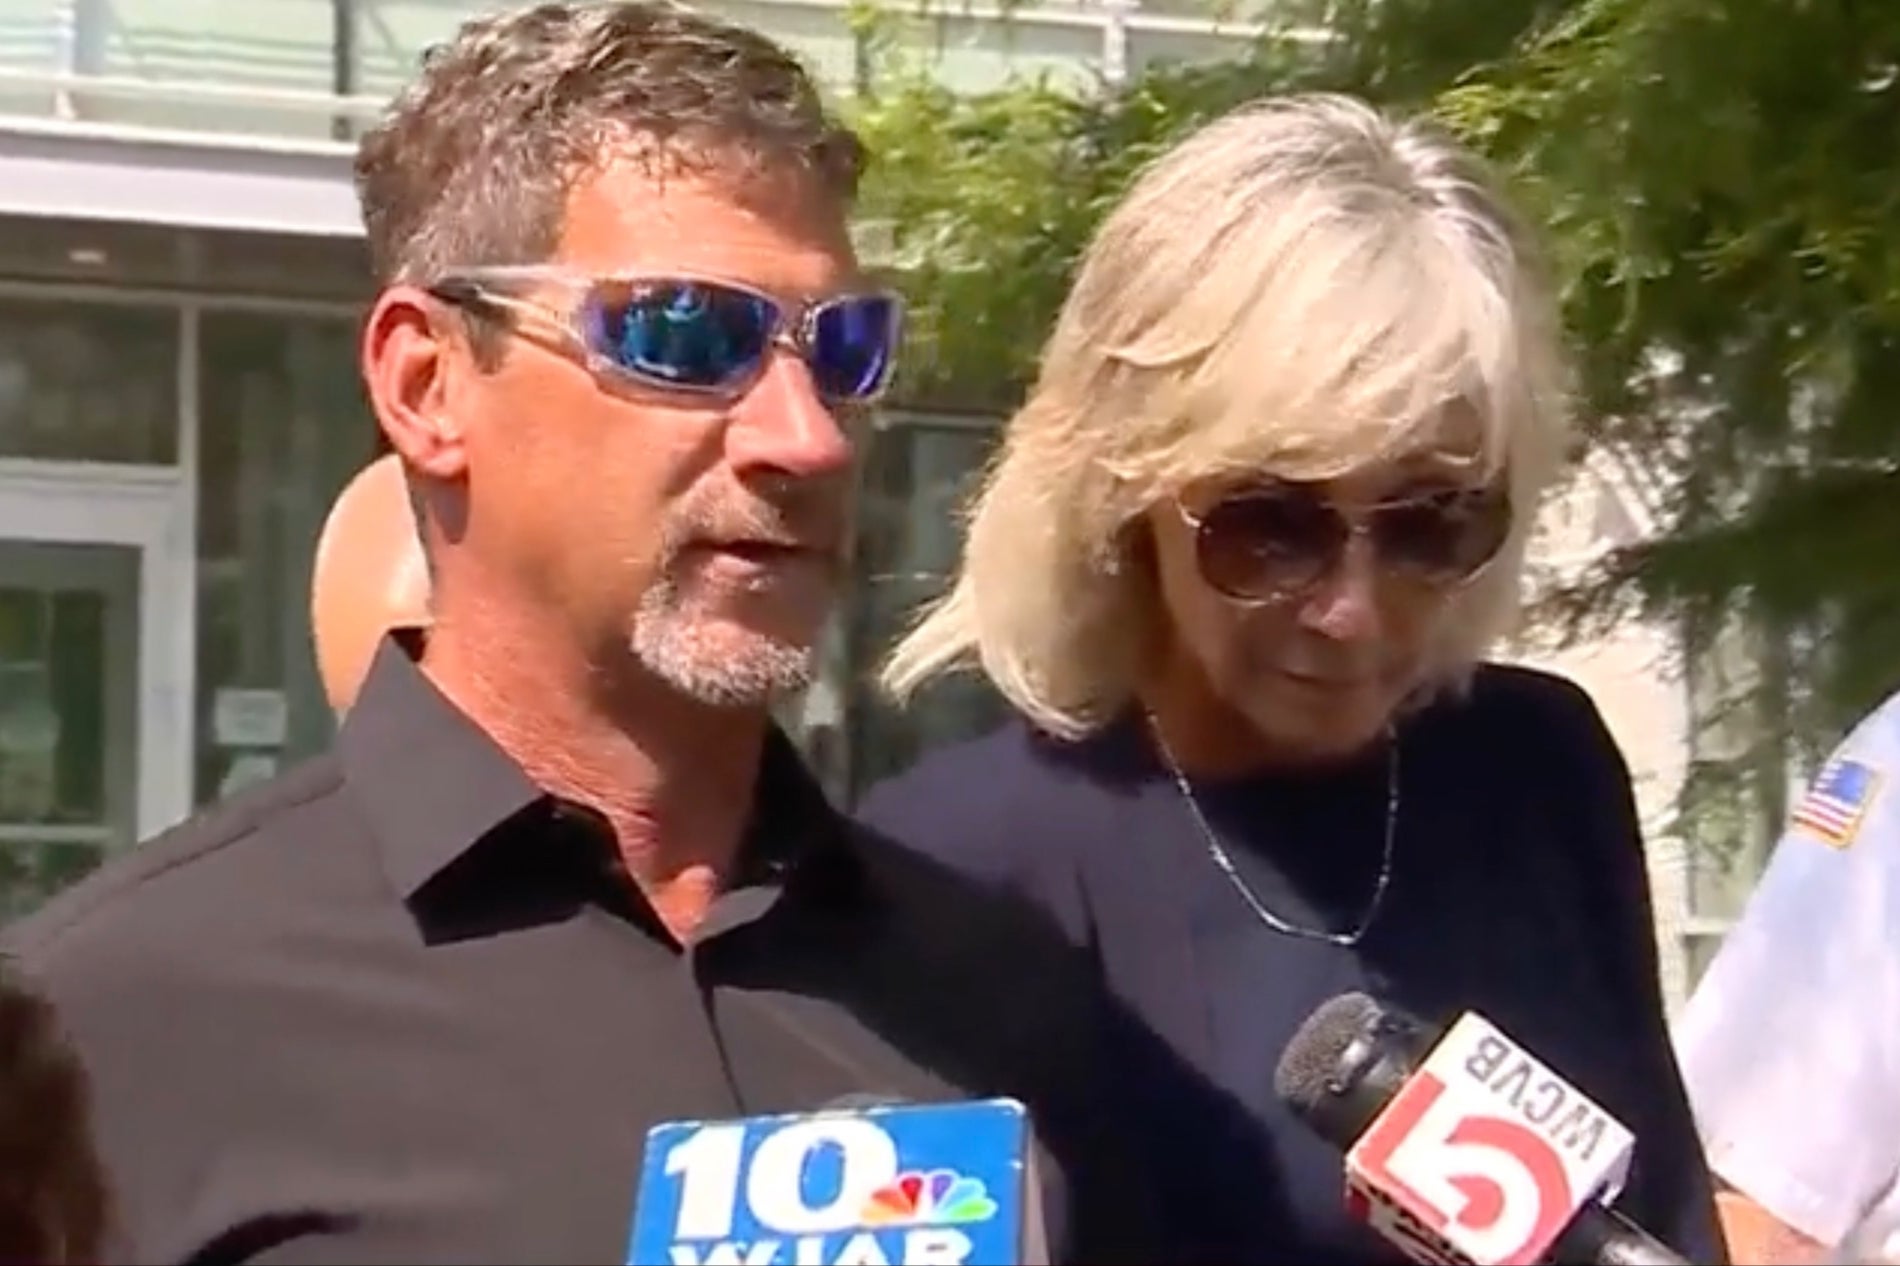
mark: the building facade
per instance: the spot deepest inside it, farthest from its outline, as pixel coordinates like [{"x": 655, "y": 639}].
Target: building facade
[{"x": 181, "y": 274}]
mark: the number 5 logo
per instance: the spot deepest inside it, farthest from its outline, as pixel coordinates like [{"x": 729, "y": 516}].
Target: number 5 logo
[{"x": 1493, "y": 1188}]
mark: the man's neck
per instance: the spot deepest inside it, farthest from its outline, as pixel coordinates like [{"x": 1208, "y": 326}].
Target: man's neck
[{"x": 675, "y": 779}]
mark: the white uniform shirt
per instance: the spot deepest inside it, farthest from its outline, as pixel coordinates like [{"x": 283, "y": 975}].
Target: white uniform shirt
[{"x": 1791, "y": 1044}]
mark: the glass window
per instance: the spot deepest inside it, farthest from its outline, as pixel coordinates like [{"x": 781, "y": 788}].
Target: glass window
[
  {"x": 88, "y": 382},
  {"x": 94, "y": 252},
  {"x": 156, "y": 256},
  {"x": 284, "y": 265},
  {"x": 68, "y": 713},
  {"x": 916, "y": 480},
  {"x": 283, "y": 427}
]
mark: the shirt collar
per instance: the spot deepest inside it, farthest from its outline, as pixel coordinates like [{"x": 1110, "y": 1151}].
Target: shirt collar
[{"x": 433, "y": 785}]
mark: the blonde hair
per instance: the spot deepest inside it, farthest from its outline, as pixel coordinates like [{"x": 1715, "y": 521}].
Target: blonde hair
[{"x": 1303, "y": 287}]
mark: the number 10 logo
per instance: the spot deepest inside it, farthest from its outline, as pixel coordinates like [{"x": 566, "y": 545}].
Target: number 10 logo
[
  {"x": 906, "y": 1184},
  {"x": 708, "y": 1164}
]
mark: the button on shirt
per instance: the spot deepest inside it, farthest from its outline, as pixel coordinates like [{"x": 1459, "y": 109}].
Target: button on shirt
[
  {"x": 1789, "y": 1044},
  {"x": 400, "y": 1005}
]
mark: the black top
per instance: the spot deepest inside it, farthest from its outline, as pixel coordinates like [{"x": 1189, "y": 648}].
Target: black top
[
  {"x": 401, "y": 1006},
  {"x": 1518, "y": 890}
]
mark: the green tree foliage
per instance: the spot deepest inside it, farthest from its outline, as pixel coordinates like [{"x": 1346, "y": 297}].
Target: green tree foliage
[
  {"x": 989, "y": 198},
  {"x": 1721, "y": 183},
  {"x": 984, "y": 203}
]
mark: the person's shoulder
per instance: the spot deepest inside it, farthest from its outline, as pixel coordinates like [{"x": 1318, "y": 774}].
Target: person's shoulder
[
  {"x": 1876, "y": 738},
  {"x": 953, "y": 802},
  {"x": 947, "y": 774},
  {"x": 1532, "y": 701},
  {"x": 1515, "y": 717},
  {"x": 1539, "y": 737},
  {"x": 1007, "y": 807},
  {"x": 940, "y": 901},
  {"x": 1016, "y": 971},
  {"x": 182, "y": 892},
  {"x": 1852, "y": 799}
]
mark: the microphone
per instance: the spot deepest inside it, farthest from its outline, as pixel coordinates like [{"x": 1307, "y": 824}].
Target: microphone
[
  {"x": 1463, "y": 1148},
  {"x": 863, "y": 1181}
]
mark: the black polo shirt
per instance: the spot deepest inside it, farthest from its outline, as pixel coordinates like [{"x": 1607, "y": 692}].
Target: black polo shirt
[{"x": 401, "y": 1006}]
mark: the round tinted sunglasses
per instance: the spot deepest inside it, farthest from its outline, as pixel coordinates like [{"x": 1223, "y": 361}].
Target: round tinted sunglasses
[
  {"x": 1274, "y": 540},
  {"x": 693, "y": 334}
]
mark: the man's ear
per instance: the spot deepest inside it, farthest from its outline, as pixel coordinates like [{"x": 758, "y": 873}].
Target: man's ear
[{"x": 408, "y": 352}]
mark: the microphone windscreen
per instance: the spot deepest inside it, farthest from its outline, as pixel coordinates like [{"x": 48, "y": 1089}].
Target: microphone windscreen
[{"x": 1312, "y": 1058}]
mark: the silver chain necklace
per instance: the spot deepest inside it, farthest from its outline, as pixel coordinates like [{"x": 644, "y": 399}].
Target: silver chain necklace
[{"x": 1221, "y": 859}]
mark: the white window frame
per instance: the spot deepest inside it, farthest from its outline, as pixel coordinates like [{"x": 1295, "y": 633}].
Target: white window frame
[
  {"x": 154, "y": 508},
  {"x": 142, "y": 508}
]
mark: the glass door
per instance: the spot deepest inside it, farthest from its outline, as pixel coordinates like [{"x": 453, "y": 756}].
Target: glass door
[
  {"x": 94, "y": 629},
  {"x": 68, "y": 713}
]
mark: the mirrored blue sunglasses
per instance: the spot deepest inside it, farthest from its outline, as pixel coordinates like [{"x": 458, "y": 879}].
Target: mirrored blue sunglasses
[{"x": 694, "y": 334}]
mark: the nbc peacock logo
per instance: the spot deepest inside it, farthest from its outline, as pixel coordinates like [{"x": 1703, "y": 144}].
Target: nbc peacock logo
[{"x": 937, "y": 1197}]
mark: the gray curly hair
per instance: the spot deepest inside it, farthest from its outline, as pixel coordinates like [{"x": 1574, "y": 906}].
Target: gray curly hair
[{"x": 473, "y": 162}]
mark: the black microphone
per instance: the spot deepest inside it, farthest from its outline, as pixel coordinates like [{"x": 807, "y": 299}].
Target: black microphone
[{"x": 1354, "y": 1057}]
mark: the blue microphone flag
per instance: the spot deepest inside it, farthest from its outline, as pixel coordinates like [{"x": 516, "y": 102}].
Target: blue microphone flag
[{"x": 930, "y": 1184}]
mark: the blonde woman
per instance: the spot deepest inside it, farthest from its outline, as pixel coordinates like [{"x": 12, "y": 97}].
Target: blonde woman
[{"x": 1237, "y": 567}]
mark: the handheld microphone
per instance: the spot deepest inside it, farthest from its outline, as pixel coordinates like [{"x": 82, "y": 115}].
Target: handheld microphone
[
  {"x": 1463, "y": 1148},
  {"x": 862, "y": 1182}
]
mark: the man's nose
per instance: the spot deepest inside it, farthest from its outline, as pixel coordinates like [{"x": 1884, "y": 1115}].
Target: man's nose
[{"x": 784, "y": 427}]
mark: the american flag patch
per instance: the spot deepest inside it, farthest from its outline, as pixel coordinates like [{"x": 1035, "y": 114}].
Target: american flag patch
[{"x": 1832, "y": 810}]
